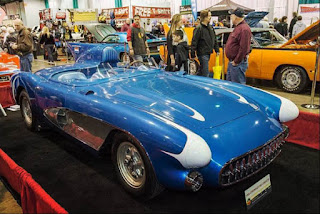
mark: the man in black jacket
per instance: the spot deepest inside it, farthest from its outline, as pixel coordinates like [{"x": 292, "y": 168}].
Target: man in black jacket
[
  {"x": 204, "y": 41},
  {"x": 292, "y": 23}
]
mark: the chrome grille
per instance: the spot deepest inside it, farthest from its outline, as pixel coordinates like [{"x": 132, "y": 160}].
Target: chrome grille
[{"x": 248, "y": 164}]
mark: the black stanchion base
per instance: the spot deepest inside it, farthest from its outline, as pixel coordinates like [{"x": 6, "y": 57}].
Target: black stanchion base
[{"x": 309, "y": 106}]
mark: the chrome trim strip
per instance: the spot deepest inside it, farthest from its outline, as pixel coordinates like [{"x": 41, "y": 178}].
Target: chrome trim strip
[{"x": 281, "y": 136}]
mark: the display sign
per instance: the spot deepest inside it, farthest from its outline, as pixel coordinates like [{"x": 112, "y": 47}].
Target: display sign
[
  {"x": 309, "y": 12},
  {"x": 45, "y": 14},
  {"x": 61, "y": 15},
  {"x": 257, "y": 191},
  {"x": 83, "y": 16},
  {"x": 309, "y": 9},
  {"x": 186, "y": 9},
  {"x": 152, "y": 12},
  {"x": 119, "y": 13}
]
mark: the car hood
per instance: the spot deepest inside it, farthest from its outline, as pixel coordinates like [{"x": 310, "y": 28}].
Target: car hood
[
  {"x": 311, "y": 33},
  {"x": 100, "y": 31},
  {"x": 178, "y": 99},
  {"x": 254, "y": 17}
]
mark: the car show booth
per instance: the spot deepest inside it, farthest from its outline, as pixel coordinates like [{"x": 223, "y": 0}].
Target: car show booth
[{"x": 103, "y": 134}]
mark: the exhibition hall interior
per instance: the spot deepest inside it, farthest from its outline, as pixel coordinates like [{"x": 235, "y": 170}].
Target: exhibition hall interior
[{"x": 159, "y": 106}]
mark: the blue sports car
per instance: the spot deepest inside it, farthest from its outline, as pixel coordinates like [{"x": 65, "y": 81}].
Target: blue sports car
[
  {"x": 163, "y": 129},
  {"x": 106, "y": 34}
]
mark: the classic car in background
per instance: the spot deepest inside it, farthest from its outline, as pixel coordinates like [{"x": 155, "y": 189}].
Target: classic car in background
[
  {"x": 163, "y": 129},
  {"x": 104, "y": 33},
  {"x": 119, "y": 42},
  {"x": 8, "y": 61},
  {"x": 291, "y": 64}
]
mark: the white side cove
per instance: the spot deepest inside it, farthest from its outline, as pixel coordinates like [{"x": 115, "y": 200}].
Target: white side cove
[
  {"x": 196, "y": 115},
  {"x": 241, "y": 98},
  {"x": 288, "y": 110},
  {"x": 196, "y": 152}
]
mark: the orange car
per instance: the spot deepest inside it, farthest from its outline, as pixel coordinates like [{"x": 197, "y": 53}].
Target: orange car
[
  {"x": 8, "y": 61},
  {"x": 291, "y": 64}
]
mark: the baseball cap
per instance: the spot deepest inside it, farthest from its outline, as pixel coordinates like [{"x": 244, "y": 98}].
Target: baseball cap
[{"x": 238, "y": 12}]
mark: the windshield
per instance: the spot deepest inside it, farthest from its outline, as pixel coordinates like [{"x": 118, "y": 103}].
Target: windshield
[{"x": 270, "y": 37}]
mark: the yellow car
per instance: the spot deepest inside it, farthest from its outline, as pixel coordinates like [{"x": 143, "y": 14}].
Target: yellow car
[{"x": 291, "y": 64}]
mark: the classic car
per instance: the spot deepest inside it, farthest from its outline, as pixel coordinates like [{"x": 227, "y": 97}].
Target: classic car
[
  {"x": 163, "y": 129},
  {"x": 290, "y": 64},
  {"x": 119, "y": 42},
  {"x": 9, "y": 61}
]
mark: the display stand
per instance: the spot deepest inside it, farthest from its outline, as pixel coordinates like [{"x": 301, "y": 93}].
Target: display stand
[{"x": 312, "y": 105}]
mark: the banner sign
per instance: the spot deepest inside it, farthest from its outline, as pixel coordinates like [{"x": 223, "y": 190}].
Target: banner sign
[
  {"x": 152, "y": 12},
  {"x": 186, "y": 9},
  {"x": 309, "y": 9},
  {"x": 309, "y": 12},
  {"x": 119, "y": 13},
  {"x": 45, "y": 14},
  {"x": 61, "y": 15},
  {"x": 83, "y": 16},
  {"x": 194, "y": 9}
]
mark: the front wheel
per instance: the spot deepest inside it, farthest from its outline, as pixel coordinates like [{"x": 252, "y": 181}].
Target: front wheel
[
  {"x": 26, "y": 111},
  {"x": 292, "y": 79},
  {"x": 133, "y": 168}
]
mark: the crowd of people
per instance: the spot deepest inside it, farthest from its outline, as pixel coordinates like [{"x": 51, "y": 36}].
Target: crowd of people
[
  {"x": 281, "y": 25},
  {"x": 19, "y": 40},
  {"x": 16, "y": 39}
]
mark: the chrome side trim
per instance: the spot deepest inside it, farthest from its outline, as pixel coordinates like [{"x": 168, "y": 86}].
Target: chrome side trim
[{"x": 91, "y": 131}]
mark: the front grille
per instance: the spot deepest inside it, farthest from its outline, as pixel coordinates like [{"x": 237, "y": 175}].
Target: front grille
[{"x": 248, "y": 164}]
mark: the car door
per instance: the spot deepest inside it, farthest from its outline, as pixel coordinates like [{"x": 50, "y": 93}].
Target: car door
[{"x": 255, "y": 57}]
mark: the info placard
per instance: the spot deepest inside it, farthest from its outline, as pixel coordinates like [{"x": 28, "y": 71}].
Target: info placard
[{"x": 258, "y": 191}]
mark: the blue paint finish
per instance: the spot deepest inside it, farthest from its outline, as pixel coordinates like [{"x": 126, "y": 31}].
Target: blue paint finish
[{"x": 232, "y": 118}]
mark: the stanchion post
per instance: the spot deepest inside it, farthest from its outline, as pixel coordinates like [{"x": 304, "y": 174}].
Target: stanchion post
[
  {"x": 2, "y": 110},
  {"x": 312, "y": 105}
]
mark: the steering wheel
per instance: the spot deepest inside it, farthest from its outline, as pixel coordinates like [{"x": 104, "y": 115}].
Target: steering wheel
[{"x": 135, "y": 61}]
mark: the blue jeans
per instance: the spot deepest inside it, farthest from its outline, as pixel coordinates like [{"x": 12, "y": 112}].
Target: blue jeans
[
  {"x": 25, "y": 62},
  {"x": 237, "y": 73},
  {"x": 49, "y": 49},
  {"x": 204, "y": 65}
]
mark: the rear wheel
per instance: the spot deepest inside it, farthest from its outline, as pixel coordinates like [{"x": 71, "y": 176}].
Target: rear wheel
[
  {"x": 133, "y": 168},
  {"x": 26, "y": 111},
  {"x": 292, "y": 79}
]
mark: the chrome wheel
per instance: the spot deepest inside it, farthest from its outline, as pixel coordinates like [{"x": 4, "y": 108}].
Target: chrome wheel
[
  {"x": 26, "y": 110},
  {"x": 131, "y": 165},
  {"x": 291, "y": 78}
]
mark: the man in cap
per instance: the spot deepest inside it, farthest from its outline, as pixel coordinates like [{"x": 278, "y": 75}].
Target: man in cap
[
  {"x": 238, "y": 47},
  {"x": 23, "y": 46}
]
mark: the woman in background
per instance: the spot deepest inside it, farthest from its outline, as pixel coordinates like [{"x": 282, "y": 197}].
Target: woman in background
[
  {"x": 47, "y": 41},
  {"x": 176, "y": 24}
]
